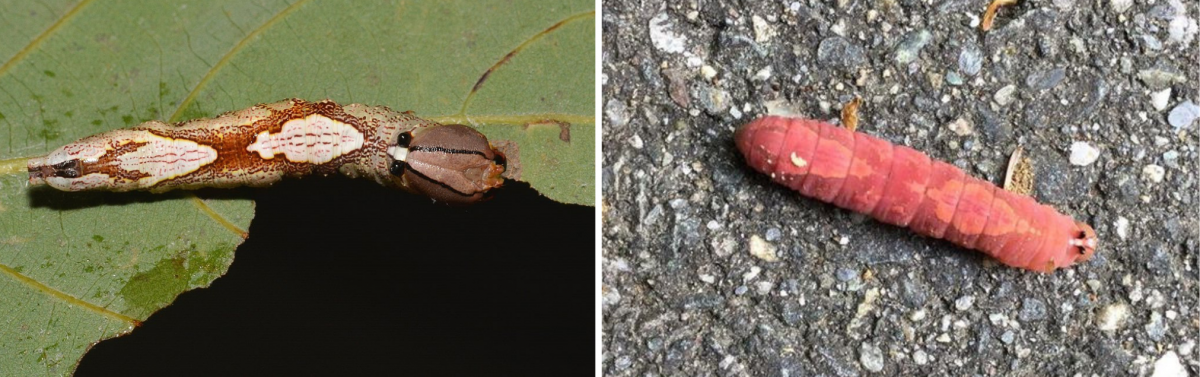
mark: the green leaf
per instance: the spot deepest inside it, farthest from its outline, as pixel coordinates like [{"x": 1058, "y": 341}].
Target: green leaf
[{"x": 76, "y": 268}]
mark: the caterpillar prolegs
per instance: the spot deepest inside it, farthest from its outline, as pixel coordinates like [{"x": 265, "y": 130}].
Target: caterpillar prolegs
[
  {"x": 901, "y": 186},
  {"x": 262, "y": 144}
]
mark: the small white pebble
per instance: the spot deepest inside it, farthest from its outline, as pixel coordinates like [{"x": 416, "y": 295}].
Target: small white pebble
[
  {"x": 1187, "y": 347},
  {"x": 1022, "y": 352},
  {"x": 1083, "y": 154},
  {"x": 1004, "y": 96},
  {"x": 1153, "y": 173},
  {"x": 761, "y": 249},
  {"x": 839, "y": 28},
  {"x": 610, "y": 296},
  {"x": 1169, "y": 366},
  {"x": 920, "y": 357},
  {"x": 636, "y": 142},
  {"x": 961, "y": 127},
  {"x": 964, "y": 302},
  {"x": 1136, "y": 294},
  {"x": 753, "y": 273},
  {"x": 1120, "y": 6},
  {"x": 762, "y": 74},
  {"x": 713, "y": 225},
  {"x": 1122, "y": 227},
  {"x": 1112, "y": 317},
  {"x": 764, "y": 287},
  {"x": 998, "y": 319},
  {"x": 1156, "y": 299},
  {"x": 708, "y": 72},
  {"x": 917, "y": 316},
  {"x": 763, "y": 31},
  {"x": 727, "y": 361},
  {"x": 1160, "y": 99}
]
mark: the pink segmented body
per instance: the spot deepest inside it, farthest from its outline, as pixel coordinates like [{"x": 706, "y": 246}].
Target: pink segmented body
[{"x": 901, "y": 186}]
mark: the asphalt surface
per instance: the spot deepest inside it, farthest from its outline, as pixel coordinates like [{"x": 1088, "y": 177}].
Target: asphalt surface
[{"x": 1101, "y": 95}]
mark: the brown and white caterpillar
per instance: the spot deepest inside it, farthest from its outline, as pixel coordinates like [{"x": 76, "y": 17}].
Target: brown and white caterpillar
[
  {"x": 262, "y": 144},
  {"x": 901, "y": 186}
]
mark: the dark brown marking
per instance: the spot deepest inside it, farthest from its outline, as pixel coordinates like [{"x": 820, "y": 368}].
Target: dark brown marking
[
  {"x": 437, "y": 149},
  {"x": 564, "y": 131},
  {"x": 486, "y": 74},
  {"x": 66, "y": 169},
  {"x": 564, "y": 128},
  {"x": 107, "y": 164},
  {"x": 510, "y": 54},
  {"x": 231, "y": 143}
]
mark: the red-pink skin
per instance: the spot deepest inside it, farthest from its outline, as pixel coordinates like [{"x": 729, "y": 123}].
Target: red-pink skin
[{"x": 901, "y": 186}]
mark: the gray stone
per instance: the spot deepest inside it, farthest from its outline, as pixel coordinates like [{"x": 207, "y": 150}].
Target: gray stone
[
  {"x": 773, "y": 234},
  {"x": 846, "y": 274},
  {"x": 964, "y": 303},
  {"x": 1032, "y": 310},
  {"x": 1047, "y": 79},
  {"x": 1160, "y": 76},
  {"x": 615, "y": 112},
  {"x": 1004, "y": 96},
  {"x": 840, "y": 53},
  {"x": 1183, "y": 115},
  {"x": 715, "y": 101},
  {"x": 953, "y": 78},
  {"x": 663, "y": 37},
  {"x": 1151, "y": 43},
  {"x": 1120, "y": 6},
  {"x": 909, "y": 49},
  {"x": 1157, "y": 327},
  {"x": 970, "y": 60},
  {"x": 871, "y": 357}
]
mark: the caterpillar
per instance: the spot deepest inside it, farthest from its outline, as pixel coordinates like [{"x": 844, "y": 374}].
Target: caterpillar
[
  {"x": 901, "y": 186},
  {"x": 260, "y": 145}
]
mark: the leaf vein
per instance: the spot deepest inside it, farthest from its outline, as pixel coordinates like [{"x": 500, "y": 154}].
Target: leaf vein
[
  {"x": 62, "y": 296},
  {"x": 208, "y": 76},
  {"x": 220, "y": 219},
  {"x": 37, "y": 41}
]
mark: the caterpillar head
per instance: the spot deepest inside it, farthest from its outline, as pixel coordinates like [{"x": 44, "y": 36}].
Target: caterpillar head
[
  {"x": 1085, "y": 241},
  {"x": 451, "y": 163}
]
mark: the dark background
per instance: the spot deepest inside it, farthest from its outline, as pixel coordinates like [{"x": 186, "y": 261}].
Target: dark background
[{"x": 346, "y": 277}]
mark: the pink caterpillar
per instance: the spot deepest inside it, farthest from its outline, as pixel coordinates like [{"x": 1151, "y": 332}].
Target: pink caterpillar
[{"x": 901, "y": 186}]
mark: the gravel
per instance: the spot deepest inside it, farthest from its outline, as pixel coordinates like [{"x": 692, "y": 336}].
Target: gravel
[
  {"x": 1083, "y": 154},
  {"x": 1101, "y": 96},
  {"x": 1183, "y": 115}
]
